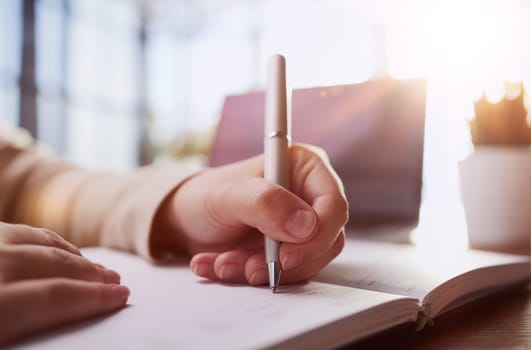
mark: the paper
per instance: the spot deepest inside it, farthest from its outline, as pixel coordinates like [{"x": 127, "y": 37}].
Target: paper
[
  {"x": 404, "y": 269},
  {"x": 170, "y": 308}
]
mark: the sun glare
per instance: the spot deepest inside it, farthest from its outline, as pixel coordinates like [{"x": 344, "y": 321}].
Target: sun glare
[
  {"x": 473, "y": 45},
  {"x": 465, "y": 48},
  {"x": 471, "y": 40},
  {"x": 495, "y": 91}
]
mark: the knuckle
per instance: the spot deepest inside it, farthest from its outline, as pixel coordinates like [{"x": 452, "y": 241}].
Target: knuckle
[
  {"x": 50, "y": 237},
  {"x": 299, "y": 149},
  {"x": 58, "y": 289},
  {"x": 267, "y": 196},
  {"x": 50, "y": 234},
  {"x": 343, "y": 208},
  {"x": 60, "y": 256},
  {"x": 310, "y": 151},
  {"x": 64, "y": 290},
  {"x": 101, "y": 296},
  {"x": 54, "y": 239}
]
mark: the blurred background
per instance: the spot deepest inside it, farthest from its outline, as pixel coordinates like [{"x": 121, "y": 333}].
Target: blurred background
[{"x": 116, "y": 84}]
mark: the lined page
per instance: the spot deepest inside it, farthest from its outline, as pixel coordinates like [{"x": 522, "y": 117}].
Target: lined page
[
  {"x": 170, "y": 308},
  {"x": 405, "y": 269}
]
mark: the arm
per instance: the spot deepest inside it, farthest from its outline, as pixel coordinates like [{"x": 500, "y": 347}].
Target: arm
[
  {"x": 86, "y": 208},
  {"x": 219, "y": 217}
]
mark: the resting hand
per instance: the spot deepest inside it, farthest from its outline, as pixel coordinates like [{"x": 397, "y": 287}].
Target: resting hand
[
  {"x": 220, "y": 216},
  {"x": 44, "y": 281}
]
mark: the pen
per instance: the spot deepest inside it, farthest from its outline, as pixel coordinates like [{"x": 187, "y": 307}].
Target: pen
[{"x": 276, "y": 148}]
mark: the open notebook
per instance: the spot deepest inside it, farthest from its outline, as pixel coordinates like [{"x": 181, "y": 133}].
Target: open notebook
[
  {"x": 373, "y": 133},
  {"x": 368, "y": 288}
]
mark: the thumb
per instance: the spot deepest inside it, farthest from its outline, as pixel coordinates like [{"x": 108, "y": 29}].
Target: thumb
[{"x": 268, "y": 207}]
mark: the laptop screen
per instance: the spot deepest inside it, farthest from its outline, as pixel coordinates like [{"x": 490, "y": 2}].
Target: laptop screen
[{"x": 373, "y": 133}]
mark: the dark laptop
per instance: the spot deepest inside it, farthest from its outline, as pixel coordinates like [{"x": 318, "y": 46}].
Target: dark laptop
[{"x": 373, "y": 133}]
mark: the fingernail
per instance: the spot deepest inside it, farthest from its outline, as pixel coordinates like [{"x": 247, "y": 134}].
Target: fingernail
[
  {"x": 258, "y": 277},
  {"x": 121, "y": 292},
  {"x": 291, "y": 260},
  {"x": 228, "y": 271},
  {"x": 111, "y": 276},
  {"x": 202, "y": 270},
  {"x": 301, "y": 223},
  {"x": 76, "y": 250}
]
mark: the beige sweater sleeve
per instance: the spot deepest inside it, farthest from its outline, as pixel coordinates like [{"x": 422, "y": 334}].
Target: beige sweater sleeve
[{"x": 87, "y": 208}]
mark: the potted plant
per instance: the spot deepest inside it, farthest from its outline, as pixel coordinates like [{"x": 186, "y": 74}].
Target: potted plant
[{"x": 496, "y": 178}]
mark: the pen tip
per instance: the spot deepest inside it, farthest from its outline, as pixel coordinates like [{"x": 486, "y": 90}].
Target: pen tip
[{"x": 274, "y": 275}]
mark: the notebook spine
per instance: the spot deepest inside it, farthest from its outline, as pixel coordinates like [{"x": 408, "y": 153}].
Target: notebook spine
[{"x": 424, "y": 317}]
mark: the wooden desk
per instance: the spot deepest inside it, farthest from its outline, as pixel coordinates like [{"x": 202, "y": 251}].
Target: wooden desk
[{"x": 502, "y": 321}]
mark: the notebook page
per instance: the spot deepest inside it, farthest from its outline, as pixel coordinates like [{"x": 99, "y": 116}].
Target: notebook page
[
  {"x": 170, "y": 308},
  {"x": 404, "y": 269}
]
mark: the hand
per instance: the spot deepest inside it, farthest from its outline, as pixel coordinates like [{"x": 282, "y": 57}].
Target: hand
[
  {"x": 44, "y": 281},
  {"x": 221, "y": 215}
]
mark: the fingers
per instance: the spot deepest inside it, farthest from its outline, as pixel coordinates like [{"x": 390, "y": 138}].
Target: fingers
[
  {"x": 312, "y": 267},
  {"x": 316, "y": 182},
  {"x": 334, "y": 210},
  {"x": 54, "y": 302},
  {"x": 256, "y": 269},
  {"x": 228, "y": 266},
  {"x": 312, "y": 175},
  {"x": 202, "y": 265},
  {"x": 248, "y": 266},
  {"x": 258, "y": 203},
  {"x": 23, "y": 234},
  {"x": 49, "y": 277},
  {"x": 21, "y": 262}
]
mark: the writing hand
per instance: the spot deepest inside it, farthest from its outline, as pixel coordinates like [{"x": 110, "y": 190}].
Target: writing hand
[
  {"x": 44, "y": 282},
  {"x": 220, "y": 216}
]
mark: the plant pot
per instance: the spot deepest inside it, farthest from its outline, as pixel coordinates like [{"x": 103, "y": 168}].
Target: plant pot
[{"x": 496, "y": 193}]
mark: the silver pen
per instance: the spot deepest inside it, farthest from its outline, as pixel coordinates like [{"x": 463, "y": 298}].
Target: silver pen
[{"x": 276, "y": 149}]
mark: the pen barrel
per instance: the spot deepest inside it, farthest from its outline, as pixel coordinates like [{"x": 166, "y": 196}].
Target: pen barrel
[
  {"x": 276, "y": 110},
  {"x": 276, "y": 169},
  {"x": 276, "y": 160},
  {"x": 271, "y": 248},
  {"x": 276, "y": 137},
  {"x": 276, "y": 133}
]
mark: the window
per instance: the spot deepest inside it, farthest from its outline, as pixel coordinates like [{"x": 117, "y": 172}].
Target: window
[
  {"x": 10, "y": 40},
  {"x": 101, "y": 83}
]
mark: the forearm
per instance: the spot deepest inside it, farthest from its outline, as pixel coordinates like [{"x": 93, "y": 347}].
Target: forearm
[
  {"x": 87, "y": 208},
  {"x": 37, "y": 190}
]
